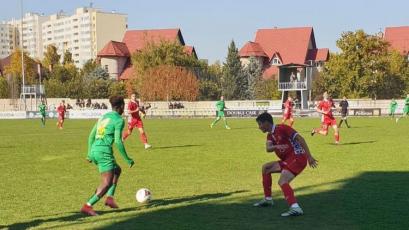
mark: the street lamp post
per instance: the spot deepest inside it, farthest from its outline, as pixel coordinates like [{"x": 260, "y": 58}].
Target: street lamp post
[{"x": 22, "y": 55}]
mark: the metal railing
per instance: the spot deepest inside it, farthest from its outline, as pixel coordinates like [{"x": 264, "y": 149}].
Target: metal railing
[
  {"x": 292, "y": 85},
  {"x": 33, "y": 89}
]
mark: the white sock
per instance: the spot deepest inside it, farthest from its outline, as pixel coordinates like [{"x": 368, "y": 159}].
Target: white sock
[
  {"x": 89, "y": 204},
  {"x": 268, "y": 198},
  {"x": 295, "y": 205}
]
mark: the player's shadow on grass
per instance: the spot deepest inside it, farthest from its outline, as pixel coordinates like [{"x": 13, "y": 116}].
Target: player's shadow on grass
[
  {"x": 78, "y": 218},
  {"x": 197, "y": 198},
  {"x": 355, "y": 143},
  {"x": 175, "y": 146},
  {"x": 71, "y": 216},
  {"x": 372, "y": 200},
  {"x": 357, "y": 127}
]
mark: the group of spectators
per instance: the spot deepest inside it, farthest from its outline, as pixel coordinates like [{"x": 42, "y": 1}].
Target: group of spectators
[
  {"x": 176, "y": 105},
  {"x": 89, "y": 105}
]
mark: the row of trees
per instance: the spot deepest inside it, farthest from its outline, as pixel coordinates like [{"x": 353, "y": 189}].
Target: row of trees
[
  {"x": 365, "y": 67},
  {"x": 165, "y": 71},
  {"x": 61, "y": 78},
  {"x": 162, "y": 71}
]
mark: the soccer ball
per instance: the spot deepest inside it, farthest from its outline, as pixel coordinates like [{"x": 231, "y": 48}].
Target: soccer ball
[{"x": 143, "y": 195}]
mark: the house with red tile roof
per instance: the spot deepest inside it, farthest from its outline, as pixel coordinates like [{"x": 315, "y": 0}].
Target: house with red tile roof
[
  {"x": 398, "y": 38},
  {"x": 115, "y": 57},
  {"x": 289, "y": 55},
  {"x": 282, "y": 46}
]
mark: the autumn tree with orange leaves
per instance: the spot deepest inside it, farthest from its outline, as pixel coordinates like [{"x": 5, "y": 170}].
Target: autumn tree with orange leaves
[
  {"x": 164, "y": 71},
  {"x": 168, "y": 83}
]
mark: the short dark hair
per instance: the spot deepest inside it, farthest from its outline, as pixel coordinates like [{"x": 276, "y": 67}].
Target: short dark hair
[
  {"x": 116, "y": 101},
  {"x": 265, "y": 117}
]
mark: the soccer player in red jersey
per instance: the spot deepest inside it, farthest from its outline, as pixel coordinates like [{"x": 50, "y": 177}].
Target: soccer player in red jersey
[
  {"x": 294, "y": 155},
  {"x": 135, "y": 121},
  {"x": 325, "y": 108},
  {"x": 288, "y": 111},
  {"x": 61, "y": 110}
]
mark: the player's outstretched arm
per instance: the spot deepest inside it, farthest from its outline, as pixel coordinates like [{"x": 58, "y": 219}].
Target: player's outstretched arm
[
  {"x": 119, "y": 144},
  {"x": 91, "y": 139},
  {"x": 311, "y": 161}
]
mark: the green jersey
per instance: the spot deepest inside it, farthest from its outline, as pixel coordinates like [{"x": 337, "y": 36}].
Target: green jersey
[
  {"x": 220, "y": 106},
  {"x": 407, "y": 101},
  {"x": 107, "y": 130},
  {"x": 42, "y": 108},
  {"x": 393, "y": 105}
]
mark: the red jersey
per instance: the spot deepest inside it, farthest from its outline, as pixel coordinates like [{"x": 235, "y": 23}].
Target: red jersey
[
  {"x": 285, "y": 135},
  {"x": 61, "y": 110},
  {"x": 326, "y": 106},
  {"x": 133, "y": 106},
  {"x": 288, "y": 107}
]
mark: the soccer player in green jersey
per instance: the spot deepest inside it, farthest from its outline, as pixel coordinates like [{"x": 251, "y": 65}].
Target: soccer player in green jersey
[
  {"x": 405, "y": 108},
  {"x": 220, "y": 107},
  {"x": 392, "y": 108},
  {"x": 42, "y": 108},
  {"x": 107, "y": 130}
]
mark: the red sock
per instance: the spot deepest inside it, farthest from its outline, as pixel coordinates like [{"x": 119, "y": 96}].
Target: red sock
[
  {"x": 267, "y": 184},
  {"x": 125, "y": 135},
  {"x": 143, "y": 138},
  {"x": 337, "y": 137},
  {"x": 288, "y": 194}
]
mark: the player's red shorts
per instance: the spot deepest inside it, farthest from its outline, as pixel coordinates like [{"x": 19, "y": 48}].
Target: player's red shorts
[
  {"x": 287, "y": 116},
  {"x": 295, "y": 164},
  {"x": 328, "y": 122},
  {"x": 135, "y": 123}
]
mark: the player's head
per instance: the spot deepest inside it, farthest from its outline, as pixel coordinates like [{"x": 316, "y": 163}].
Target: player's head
[
  {"x": 290, "y": 98},
  {"x": 133, "y": 97},
  {"x": 222, "y": 98},
  {"x": 117, "y": 104},
  {"x": 344, "y": 98},
  {"x": 325, "y": 95},
  {"x": 265, "y": 122}
]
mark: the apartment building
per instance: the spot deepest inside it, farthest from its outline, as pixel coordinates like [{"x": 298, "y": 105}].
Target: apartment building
[
  {"x": 5, "y": 40},
  {"x": 83, "y": 33}
]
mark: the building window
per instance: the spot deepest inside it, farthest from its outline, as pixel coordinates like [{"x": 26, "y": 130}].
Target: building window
[{"x": 276, "y": 61}]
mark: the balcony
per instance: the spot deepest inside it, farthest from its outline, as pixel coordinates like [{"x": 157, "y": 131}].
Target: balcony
[
  {"x": 297, "y": 85},
  {"x": 32, "y": 89}
]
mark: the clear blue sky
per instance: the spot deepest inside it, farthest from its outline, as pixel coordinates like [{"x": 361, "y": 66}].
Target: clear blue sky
[{"x": 210, "y": 25}]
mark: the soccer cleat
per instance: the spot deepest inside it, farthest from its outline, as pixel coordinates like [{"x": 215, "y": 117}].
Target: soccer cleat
[
  {"x": 227, "y": 127},
  {"x": 337, "y": 142},
  {"x": 397, "y": 119},
  {"x": 312, "y": 132},
  {"x": 293, "y": 212},
  {"x": 264, "y": 203},
  {"x": 86, "y": 209},
  {"x": 110, "y": 202},
  {"x": 148, "y": 146},
  {"x": 211, "y": 126}
]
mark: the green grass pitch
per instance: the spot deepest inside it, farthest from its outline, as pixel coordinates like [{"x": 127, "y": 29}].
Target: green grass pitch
[{"x": 204, "y": 178}]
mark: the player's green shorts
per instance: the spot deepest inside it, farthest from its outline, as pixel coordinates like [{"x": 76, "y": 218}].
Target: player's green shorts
[
  {"x": 43, "y": 114},
  {"x": 220, "y": 113},
  {"x": 105, "y": 161}
]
